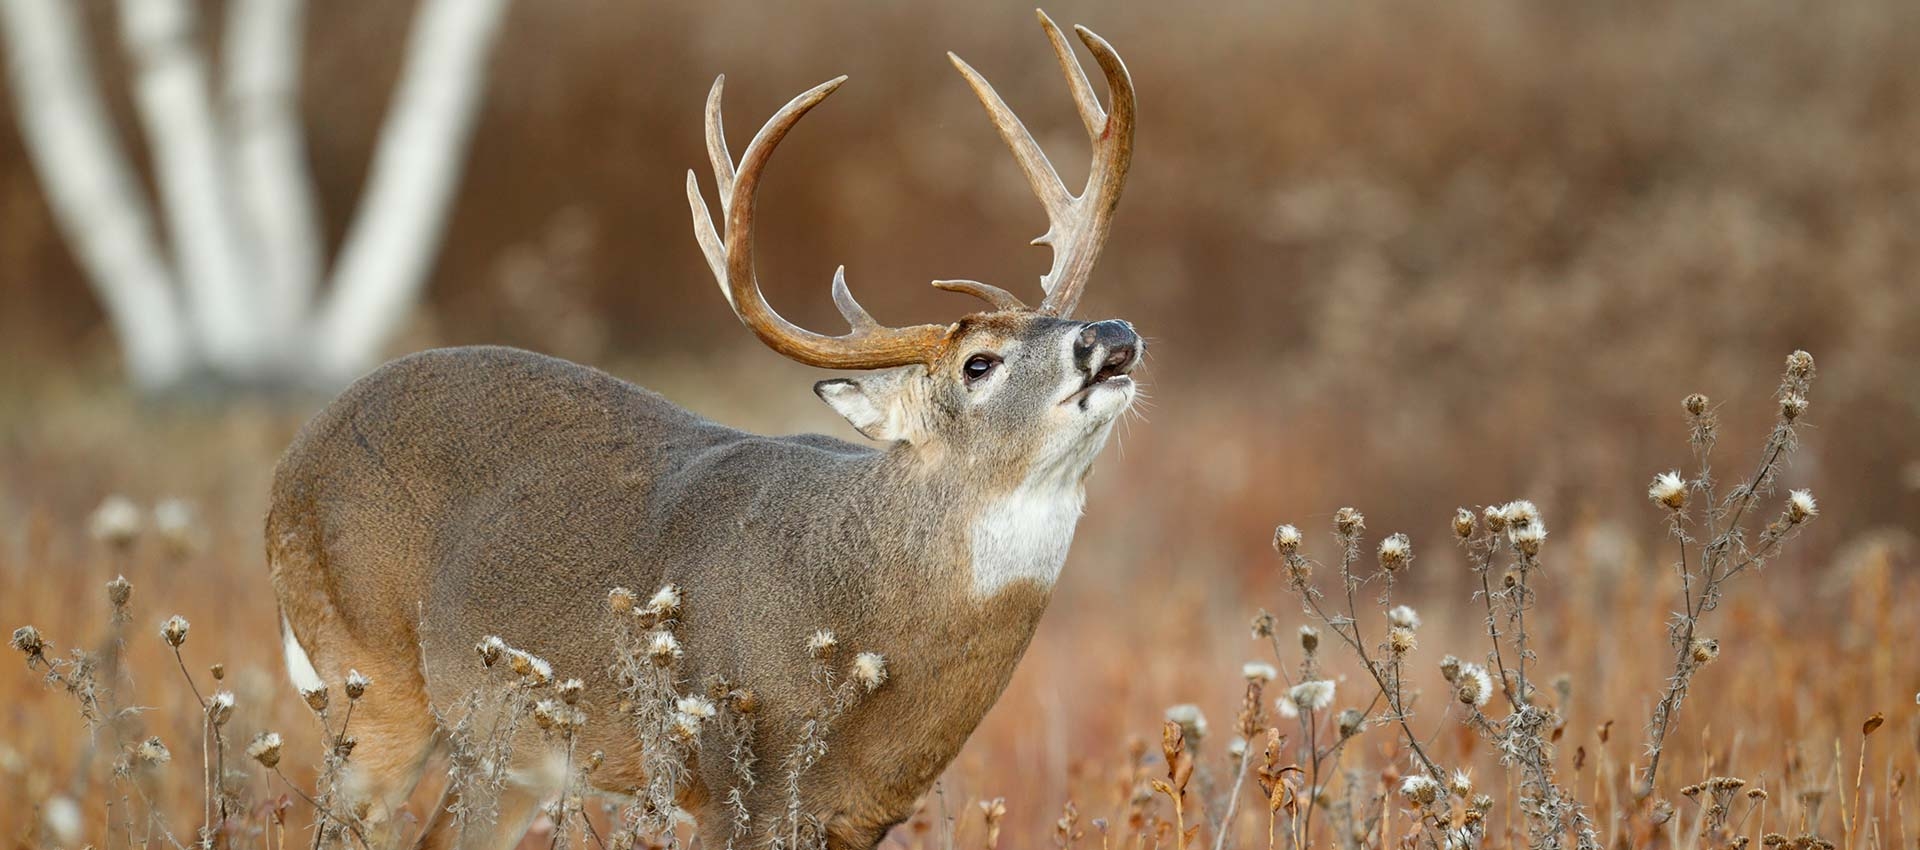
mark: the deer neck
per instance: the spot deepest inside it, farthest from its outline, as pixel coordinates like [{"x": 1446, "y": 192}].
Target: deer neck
[{"x": 1023, "y": 536}]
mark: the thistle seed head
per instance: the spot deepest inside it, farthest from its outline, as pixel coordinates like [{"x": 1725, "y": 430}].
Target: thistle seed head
[
  {"x": 174, "y": 632},
  {"x": 315, "y": 698},
  {"x": 27, "y": 640},
  {"x": 621, "y": 600},
  {"x": 1309, "y": 639},
  {"x": 1520, "y": 513},
  {"x": 665, "y": 603},
  {"x": 869, "y": 670},
  {"x": 265, "y": 749},
  {"x": 1696, "y": 404},
  {"x": 570, "y": 691},
  {"x": 1704, "y": 650},
  {"x": 1801, "y": 507},
  {"x": 1258, "y": 671},
  {"x": 116, "y": 522},
  {"x": 1313, "y": 694},
  {"x": 1403, "y": 616},
  {"x": 490, "y": 649},
  {"x": 821, "y": 644},
  {"x": 1263, "y": 625},
  {"x": 1668, "y": 489},
  {"x": 152, "y": 752},
  {"x": 119, "y": 591},
  {"x": 1286, "y": 540},
  {"x": 1792, "y": 405},
  {"x": 1450, "y": 669},
  {"x": 220, "y": 708},
  {"x": 663, "y": 648},
  {"x": 699, "y": 708},
  {"x": 1349, "y": 522},
  {"x": 1473, "y": 685},
  {"x": 1496, "y": 517},
  {"x": 1463, "y": 523},
  {"x": 1800, "y": 364},
  {"x": 1400, "y": 641},
  {"x": 1396, "y": 552},
  {"x": 1420, "y": 790},
  {"x": 356, "y": 684},
  {"x": 1528, "y": 538},
  {"x": 1460, "y": 784},
  {"x": 1352, "y": 722}
]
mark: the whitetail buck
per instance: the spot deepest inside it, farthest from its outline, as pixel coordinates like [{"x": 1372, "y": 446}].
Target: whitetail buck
[{"x": 486, "y": 491}]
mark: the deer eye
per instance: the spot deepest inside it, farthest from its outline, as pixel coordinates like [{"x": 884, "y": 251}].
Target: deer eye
[{"x": 978, "y": 366}]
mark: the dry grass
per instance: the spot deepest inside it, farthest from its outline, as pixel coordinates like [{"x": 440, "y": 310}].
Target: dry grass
[{"x": 1806, "y": 652}]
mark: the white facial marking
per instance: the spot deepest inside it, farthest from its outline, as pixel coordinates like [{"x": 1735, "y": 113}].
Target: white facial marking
[
  {"x": 1024, "y": 536},
  {"x": 299, "y": 666}
]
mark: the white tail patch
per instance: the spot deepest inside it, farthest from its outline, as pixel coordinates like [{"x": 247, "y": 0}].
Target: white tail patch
[
  {"x": 1024, "y": 536},
  {"x": 299, "y": 666}
]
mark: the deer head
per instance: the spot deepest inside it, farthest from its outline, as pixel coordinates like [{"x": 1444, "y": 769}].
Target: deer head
[{"x": 1026, "y": 387}]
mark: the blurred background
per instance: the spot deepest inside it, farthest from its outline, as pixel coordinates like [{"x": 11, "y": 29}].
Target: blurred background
[{"x": 1403, "y": 256}]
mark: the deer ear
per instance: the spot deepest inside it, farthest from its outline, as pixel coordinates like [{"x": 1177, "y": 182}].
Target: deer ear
[{"x": 872, "y": 405}]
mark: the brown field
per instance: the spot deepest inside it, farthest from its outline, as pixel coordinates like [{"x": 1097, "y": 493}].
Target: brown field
[{"x": 1402, "y": 257}]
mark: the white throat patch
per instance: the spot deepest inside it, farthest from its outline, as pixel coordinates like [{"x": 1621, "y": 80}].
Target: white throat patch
[{"x": 1024, "y": 536}]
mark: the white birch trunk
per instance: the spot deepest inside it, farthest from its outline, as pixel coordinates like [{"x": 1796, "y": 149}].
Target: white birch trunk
[
  {"x": 96, "y": 199},
  {"x": 238, "y": 300},
  {"x": 171, "y": 94},
  {"x": 273, "y": 188},
  {"x": 396, "y": 230}
]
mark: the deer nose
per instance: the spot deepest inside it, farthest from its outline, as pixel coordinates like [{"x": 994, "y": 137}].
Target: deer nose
[{"x": 1106, "y": 349}]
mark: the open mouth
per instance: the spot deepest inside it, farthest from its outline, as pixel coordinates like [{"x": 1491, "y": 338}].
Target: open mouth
[{"x": 1115, "y": 380}]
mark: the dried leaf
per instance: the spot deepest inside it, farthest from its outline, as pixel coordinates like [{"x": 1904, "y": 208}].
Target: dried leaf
[{"x": 1872, "y": 723}]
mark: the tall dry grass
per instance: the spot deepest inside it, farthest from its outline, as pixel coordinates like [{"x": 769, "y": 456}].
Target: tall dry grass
[{"x": 1781, "y": 672}]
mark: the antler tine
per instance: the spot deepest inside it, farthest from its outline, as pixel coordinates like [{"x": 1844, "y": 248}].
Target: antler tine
[
  {"x": 1092, "y": 113},
  {"x": 869, "y": 345},
  {"x": 1077, "y": 225},
  {"x": 999, "y": 298},
  {"x": 717, "y": 143}
]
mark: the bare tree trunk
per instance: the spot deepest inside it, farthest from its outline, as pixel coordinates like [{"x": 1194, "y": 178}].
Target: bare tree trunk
[
  {"x": 175, "y": 106},
  {"x": 274, "y": 188},
  {"x": 239, "y": 301},
  {"x": 96, "y": 199},
  {"x": 396, "y": 231}
]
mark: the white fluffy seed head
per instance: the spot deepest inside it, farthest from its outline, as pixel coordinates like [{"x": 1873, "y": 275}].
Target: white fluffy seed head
[
  {"x": 1258, "y": 671},
  {"x": 821, "y": 644},
  {"x": 356, "y": 684},
  {"x": 265, "y": 749},
  {"x": 1801, "y": 507},
  {"x": 1668, "y": 489},
  {"x": 869, "y": 670},
  {"x": 1527, "y": 538},
  {"x": 1474, "y": 684},
  {"x": 1396, "y": 551},
  {"x": 665, "y": 603},
  {"x": 220, "y": 707},
  {"x": 695, "y": 706},
  {"x": 1312, "y": 695},
  {"x": 1520, "y": 513},
  {"x": 174, "y": 632},
  {"x": 1286, "y": 539},
  {"x": 1404, "y": 617},
  {"x": 663, "y": 648},
  {"x": 1420, "y": 790},
  {"x": 1192, "y": 723}
]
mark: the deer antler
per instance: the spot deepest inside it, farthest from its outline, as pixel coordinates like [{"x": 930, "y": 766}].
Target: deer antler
[
  {"x": 1077, "y": 226},
  {"x": 869, "y": 345}
]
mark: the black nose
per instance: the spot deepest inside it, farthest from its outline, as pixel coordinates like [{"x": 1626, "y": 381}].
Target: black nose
[{"x": 1106, "y": 349}]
